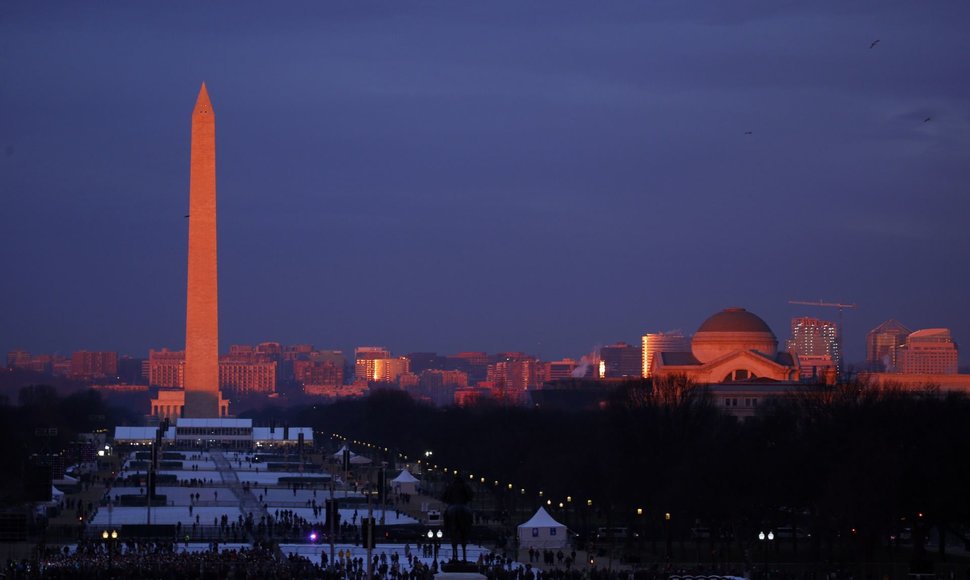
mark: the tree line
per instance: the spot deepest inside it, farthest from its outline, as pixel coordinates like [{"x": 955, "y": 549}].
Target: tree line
[
  {"x": 853, "y": 466},
  {"x": 40, "y": 421}
]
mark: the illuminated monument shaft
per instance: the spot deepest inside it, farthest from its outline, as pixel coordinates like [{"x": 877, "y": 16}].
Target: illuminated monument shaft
[{"x": 202, "y": 398}]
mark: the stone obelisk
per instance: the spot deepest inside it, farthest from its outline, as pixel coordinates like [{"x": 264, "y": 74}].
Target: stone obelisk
[{"x": 202, "y": 304}]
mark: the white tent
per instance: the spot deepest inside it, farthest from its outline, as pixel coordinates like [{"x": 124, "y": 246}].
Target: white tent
[
  {"x": 541, "y": 531},
  {"x": 405, "y": 483},
  {"x": 354, "y": 458}
]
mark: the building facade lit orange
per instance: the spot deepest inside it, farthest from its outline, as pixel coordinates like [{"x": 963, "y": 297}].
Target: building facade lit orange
[{"x": 87, "y": 365}]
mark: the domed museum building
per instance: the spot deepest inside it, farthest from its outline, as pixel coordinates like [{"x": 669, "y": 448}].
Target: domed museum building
[{"x": 732, "y": 345}]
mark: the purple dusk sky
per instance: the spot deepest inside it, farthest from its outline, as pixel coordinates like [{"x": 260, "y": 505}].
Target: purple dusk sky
[{"x": 445, "y": 176}]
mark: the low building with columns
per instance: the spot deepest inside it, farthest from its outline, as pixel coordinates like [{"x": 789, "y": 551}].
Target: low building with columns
[{"x": 170, "y": 404}]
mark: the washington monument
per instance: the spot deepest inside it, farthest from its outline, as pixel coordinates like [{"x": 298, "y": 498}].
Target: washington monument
[{"x": 202, "y": 397}]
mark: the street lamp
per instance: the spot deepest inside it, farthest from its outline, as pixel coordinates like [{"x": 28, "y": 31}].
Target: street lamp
[
  {"x": 764, "y": 539},
  {"x": 669, "y": 541},
  {"x": 109, "y": 540},
  {"x": 435, "y": 538}
]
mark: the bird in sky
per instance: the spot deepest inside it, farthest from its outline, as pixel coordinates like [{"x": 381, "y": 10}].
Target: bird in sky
[
  {"x": 874, "y": 43},
  {"x": 186, "y": 215},
  {"x": 928, "y": 119},
  {"x": 749, "y": 132}
]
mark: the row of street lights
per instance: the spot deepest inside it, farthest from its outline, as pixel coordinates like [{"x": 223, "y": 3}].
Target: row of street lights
[
  {"x": 427, "y": 464},
  {"x": 764, "y": 537},
  {"x": 431, "y": 467},
  {"x": 428, "y": 455}
]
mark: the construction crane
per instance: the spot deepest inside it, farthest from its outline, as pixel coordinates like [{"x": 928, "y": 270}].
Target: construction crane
[
  {"x": 841, "y": 307},
  {"x": 824, "y": 304}
]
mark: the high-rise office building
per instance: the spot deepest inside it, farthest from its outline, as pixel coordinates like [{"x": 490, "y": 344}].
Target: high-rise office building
[
  {"x": 270, "y": 349},
  {"x": 661, "y": 342},
  {"x": 87, "y": 365},
  {"x": 40, "y": 363},
  {"x": 242, "y": 371},
  {"x": 318, "y": 372},
  {"x": 621, "y": 360},
  {"x": 18, "y": 359},
  {"x": 812, "y": 337},
  {"x": 559, "y": 370},
  {"x": 513, "y": 376},
  {"x": 293, "y": 351},
  {"x": 817, "y": 369},
  {"x": 387, "y": 370},
  {"x": 247, "y": 375},
  {"x": 166, "y": 368},
  {"x": 364, "y": 357},
  {"x": 475, "y": 363},
  {"x": 130, "y": 370},
  {"x": 930, "y": 351},
  {"x": 883, "y": 343},
  {"x": 440, "y": 386},
  {"x": 423, "y": 361},
  {"x": 59, "y": 366}
]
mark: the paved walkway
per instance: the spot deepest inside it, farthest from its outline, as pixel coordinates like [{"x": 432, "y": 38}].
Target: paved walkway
[{"x": 248, "y": 504}]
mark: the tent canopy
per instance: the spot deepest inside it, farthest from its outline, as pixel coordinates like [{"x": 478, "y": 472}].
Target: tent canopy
[
  {"x": 541, "y": 519},
  {"x": 354, "y": 458},
  {"x": 405, "y": 477},
  {"x": 542, "y": 531}
]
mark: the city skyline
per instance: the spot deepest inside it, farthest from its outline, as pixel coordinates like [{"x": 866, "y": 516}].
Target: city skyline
[
  {"x": 434, "y": 200},
  {"x": 810, "y": 339}
]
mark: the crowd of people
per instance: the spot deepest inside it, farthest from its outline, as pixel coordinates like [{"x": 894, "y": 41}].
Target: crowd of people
[
  {"x": 163, "y": 560},
  {"x": 551, "y": 558}
]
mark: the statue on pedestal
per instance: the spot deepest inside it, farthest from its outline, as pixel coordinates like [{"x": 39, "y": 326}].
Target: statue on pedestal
[{"x": 458, "y": 516}]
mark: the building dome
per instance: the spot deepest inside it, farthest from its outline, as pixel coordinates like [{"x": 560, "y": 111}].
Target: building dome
[
  {"x": 734, "y": 320},
  {"x": 731, "y": 330}
]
